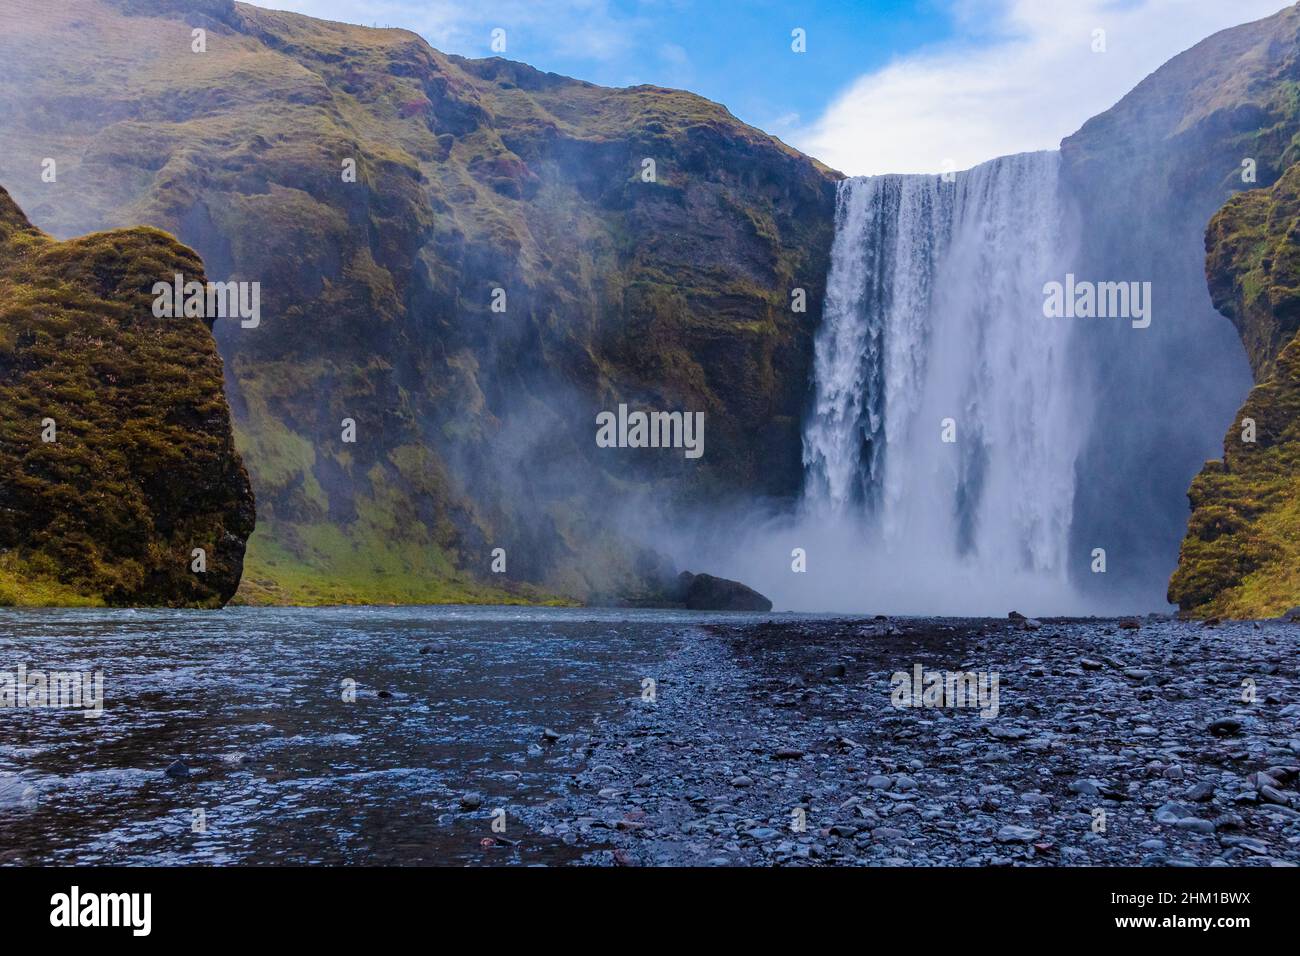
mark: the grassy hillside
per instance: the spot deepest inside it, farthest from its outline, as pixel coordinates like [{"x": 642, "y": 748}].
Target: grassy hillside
[
  {"x": 474, "y": 427},
  {"x": 117, "y": 457}
]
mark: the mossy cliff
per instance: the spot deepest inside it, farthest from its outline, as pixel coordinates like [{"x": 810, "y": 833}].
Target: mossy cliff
[
  {"x": 1252, "y": 266},
  {"x": 117, "y": 457},
  {"x": 1241, "y": 556},
  {"x": 474, "y": 427}
]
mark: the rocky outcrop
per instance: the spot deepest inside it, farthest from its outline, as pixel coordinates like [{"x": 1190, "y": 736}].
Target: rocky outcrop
[
  {"x": 516, "y": 252},
  {"x": 117, "y": 457},
  {"x": 1241, "y": 556},
  {"x": 704, "y": 592},
  {"x": 1253, "y": 269}
]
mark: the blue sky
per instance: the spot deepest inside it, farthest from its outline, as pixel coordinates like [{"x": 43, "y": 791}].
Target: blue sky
[
  {"x": 885, "y": 85},
  {"x": 738, "y": 53}
]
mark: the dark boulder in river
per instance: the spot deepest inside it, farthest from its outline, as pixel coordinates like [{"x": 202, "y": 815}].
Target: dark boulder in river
[{"x": 704, "y": 592}]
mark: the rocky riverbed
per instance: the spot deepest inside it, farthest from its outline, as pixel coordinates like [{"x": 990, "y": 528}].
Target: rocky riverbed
[{"x": 1152, "y": 742}]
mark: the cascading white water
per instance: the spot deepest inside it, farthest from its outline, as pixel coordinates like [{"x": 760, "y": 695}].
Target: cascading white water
[{"x": 934, "y": 311}]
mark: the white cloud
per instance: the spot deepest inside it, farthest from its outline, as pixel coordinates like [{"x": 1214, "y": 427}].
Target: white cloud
[{"x": 1027, "y": 78}]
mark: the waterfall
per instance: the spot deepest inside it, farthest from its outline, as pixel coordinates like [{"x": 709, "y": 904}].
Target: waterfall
[{"x": 934, "y": 312}]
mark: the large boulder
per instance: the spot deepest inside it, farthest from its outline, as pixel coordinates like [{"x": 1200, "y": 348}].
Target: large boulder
[{"x": 704, "y": 592}]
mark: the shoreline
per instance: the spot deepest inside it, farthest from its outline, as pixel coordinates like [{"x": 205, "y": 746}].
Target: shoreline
[{"x": 1111, "y": 745}]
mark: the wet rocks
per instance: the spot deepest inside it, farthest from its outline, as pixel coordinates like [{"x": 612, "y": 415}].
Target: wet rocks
[
  {"x": 1201, "y": 793},
  {"x": 748, "y": 761},
  {"x": 1274, "y": 795},
  {"x": 177, "y": 770},
  {"x": 1225, "y": 727}
]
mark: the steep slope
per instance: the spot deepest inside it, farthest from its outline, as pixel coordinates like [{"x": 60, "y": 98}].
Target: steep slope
[
  {"x": 474, "y": 428},
  {"x": 1148, "y": 175},
  {"x": 117, "y": 457},
  {"x": 1241, "y": 556}
]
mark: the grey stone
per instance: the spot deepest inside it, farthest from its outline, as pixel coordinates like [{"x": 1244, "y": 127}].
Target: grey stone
[{"x": 1011, "y": 833}]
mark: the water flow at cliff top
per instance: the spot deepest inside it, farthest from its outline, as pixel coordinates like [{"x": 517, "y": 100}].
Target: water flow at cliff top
[{"x": 934, "y": 318}]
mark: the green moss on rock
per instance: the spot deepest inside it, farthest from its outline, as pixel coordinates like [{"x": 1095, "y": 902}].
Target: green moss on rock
[
  {"x": 1241, "y": 556},
  {"x": 143, "y": 468},
  {"x": 1253, "y": 267}
]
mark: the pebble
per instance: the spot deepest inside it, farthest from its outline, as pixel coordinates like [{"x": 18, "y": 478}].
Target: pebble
[
  {"x": 1201, "y": 793},
  {"x": 1018, "y": 834}
]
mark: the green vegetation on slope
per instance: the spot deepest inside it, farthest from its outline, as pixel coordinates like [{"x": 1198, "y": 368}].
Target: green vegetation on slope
[
  {"x": 1241, "y": 556},
  {"x": 1253, "y": 268},
  {"x": 116, "y": 452}
]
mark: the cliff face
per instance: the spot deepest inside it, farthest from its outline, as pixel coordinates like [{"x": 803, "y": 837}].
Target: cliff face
[
  {"x": 1241, "y": 556},
  {"x": 1253, "y": 269},
  {"x": 117, "y": 457},
  {"x": 518, "y": 252},
  {"x": 1217, "y": 120}
]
